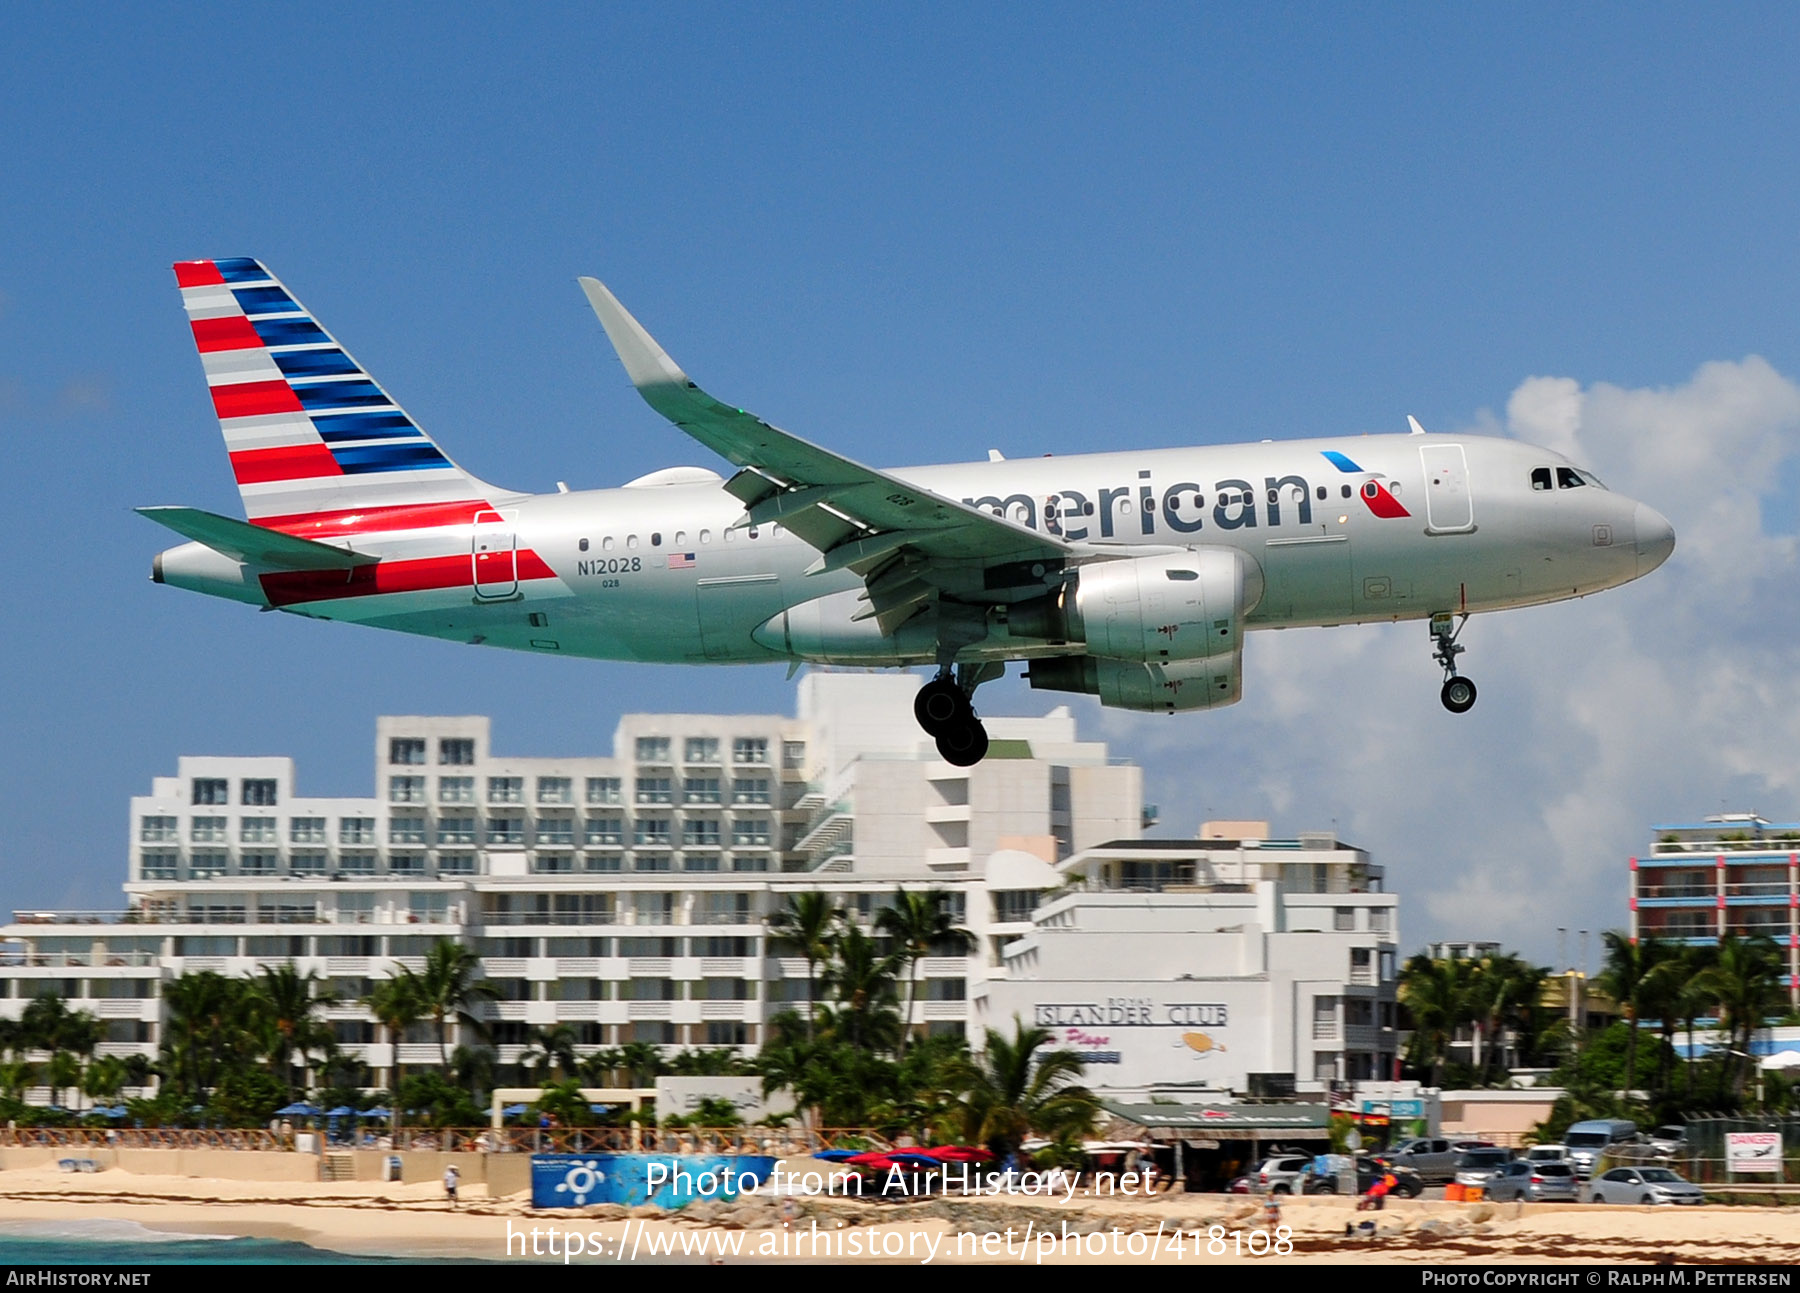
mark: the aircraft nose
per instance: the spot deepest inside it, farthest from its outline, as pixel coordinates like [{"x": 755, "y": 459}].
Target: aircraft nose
[{"x": 1655, "y": 538}]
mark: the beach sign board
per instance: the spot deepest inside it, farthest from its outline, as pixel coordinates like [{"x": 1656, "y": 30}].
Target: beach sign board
[{"x": 1752, "y": 1151}]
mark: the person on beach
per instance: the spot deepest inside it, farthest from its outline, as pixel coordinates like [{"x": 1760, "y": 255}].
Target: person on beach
[{"x": 451, "y": 1179}]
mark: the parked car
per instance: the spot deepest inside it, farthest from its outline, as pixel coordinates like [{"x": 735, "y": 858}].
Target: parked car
[
  {"x": 1433, "y": 1159},
  {"x": 1277, "y": 1175},
  {"x": 1643, "y": 1185},
  {"x": 1539, "y": 1182},
  {"x": 1547, "y": 1154},
  {"x": 1669, "y": 1141},
  {"x": 1587, "y": 1141},
  {"x": 1407, "y": 1183},
  {"x": 1475, "y": 1166}
]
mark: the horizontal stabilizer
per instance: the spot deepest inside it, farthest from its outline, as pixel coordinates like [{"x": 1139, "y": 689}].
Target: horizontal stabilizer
[{"x": 252, "y": 544}]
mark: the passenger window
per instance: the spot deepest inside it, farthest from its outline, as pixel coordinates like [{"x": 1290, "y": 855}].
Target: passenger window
[
  {"x": 1346, "y": 490},
  {"x": 606, "y": 544},
  {"x": 631, "y": 540},
  {"x": 1568, "y": 478},
  {"x": 1540, "y": 478}
]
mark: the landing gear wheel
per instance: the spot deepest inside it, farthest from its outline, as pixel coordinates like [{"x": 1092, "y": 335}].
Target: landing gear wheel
[
  {"x": 941, "y": 706},
  {"x": 1458, "y": 695},
  {"x": 964, "y": 745}
]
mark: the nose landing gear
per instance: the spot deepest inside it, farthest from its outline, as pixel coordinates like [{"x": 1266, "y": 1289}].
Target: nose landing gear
[
  {"x": 946, "y": 711},
  {"x": 1458, "y": 693}
]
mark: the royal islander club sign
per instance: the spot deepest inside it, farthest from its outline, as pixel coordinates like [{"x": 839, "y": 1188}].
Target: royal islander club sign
[{"x": 1087, "y": 1027}]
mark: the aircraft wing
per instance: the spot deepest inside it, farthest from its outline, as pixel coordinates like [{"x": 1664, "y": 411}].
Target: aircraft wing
[{"x": 915, "y": 542}]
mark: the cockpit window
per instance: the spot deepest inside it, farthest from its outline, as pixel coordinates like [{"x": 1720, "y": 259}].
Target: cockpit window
[
  {"x": 1568, "y": 478},
  {"x": 1540, "y": 478}
]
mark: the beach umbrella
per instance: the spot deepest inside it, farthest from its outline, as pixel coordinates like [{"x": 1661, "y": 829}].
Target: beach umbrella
[
  {"x": 378, "y": 1113},
  {"x": 300, "y": 1110},
  {"x": 514, "y": 1110},
  {"x": 837, "y": 1155},
  {"x": 342, "y": 1111}
]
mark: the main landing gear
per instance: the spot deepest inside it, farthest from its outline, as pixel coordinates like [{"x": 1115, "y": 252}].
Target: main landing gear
[
  {"x": 1458, "y": 694},
  {"x": 946, "y": 711}
]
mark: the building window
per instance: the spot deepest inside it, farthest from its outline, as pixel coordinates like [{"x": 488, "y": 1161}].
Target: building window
[
  {"x": 456, "y": 752},
  {"x": 259, "y": 830},
  {"x": 406, "y": 830},
  {"x": 604, "y": 790},
  {"x": 411, "y": 864},
  {"x": 750, "y": 862},
  {"x": 306, "y": 830},
  {"x": 699, "y": 861},
  {"x": 552, "y": 863},
  {"x": 1325, "y": 1068},
  {"x": 1324, "y": 1025},
  {"x": 727, "y": 990},
  {"x": 726, "y": 1033},
  {"x": 652, "y": 749},
  {"x": 946, "y": 989},
  {"x": 725, "y": 909},
  {"x": 209, "y": 830},
  {"x": 750, "y": 790},
  {"x": 604, "y": 830},
  {"x": 654, "y": 790},
  {"x": 651, "y": 830},
  {"x": 1343, "y": 919},
  {"x": 406, "y": 750},
  {"x": 654, "y": 909},
  {"x": 307, "y": 863},
  {"x": 651, "y": 862},
  {"x": 555, "y": 790},
  {"x": 556, "y": 830},
  {"x": 652, "y": 990},
  {"x": 793, "y": 754},
  {"x": 700, "y": 749},
  {"x": 751, "y": 831},
  {"x": 456, "y": 864},
  {"x": 406, "y": 790},
  {"x": 1362, "y": 965},
  {"x": 258, "y": 792},
  {"x": 356, "y": 830},
  {"x": 1378, "y": 920},
  {"x": 506, "y": 790},
  {"x": 205, "y": 864},
  {"x": 159, "y": 830},
  {"x": 749, "y": 749},
  {"x": 456, "y": 830},
  {"x": 356, "y": 863},
  {"x": 1014, "y": 906},
  {"x": 212, "y": 790},
  {"x": 700, "y": 834},
  {"x": 700, "y": 790},
  {"x": 506, "y": 830},
  {"x": 259, "y": 863},
  {"x": 160, "y": 864},
  {"x": 456, "y": 790},
  {"x": 603, "y": 862}
]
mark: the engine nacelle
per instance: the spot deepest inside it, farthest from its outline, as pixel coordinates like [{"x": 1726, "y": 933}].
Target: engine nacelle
[
  {"x": 1157, "y": 688},
  {"x": 1190, "y": 606}
]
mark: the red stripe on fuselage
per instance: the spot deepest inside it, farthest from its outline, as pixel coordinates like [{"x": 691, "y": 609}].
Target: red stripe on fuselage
[
  {"x": 251, "y": 399},
  {"x": 285, "y": 462},
  {"x": 368, "y": 520},
  {"x": 197, "y": 273},
  {"x": 1383, "y": 504},
  {"x": 421, "y": 574},
  {"x": 233, "y": 332}
]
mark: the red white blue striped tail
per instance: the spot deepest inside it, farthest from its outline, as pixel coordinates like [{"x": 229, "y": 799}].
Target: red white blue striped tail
[{"x": 316, "y": 445}]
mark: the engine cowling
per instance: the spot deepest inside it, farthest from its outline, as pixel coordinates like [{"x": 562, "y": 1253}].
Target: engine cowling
[
  {"x": 1189, "y": 606},
  {"x": 1154, "y": 688}
]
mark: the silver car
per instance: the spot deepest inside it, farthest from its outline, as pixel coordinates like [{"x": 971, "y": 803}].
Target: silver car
[
  {"x": 1540, "y": 1182},
  {"x": 1280, "y": 1174},
  {"x": 1643, "y": 1185}
]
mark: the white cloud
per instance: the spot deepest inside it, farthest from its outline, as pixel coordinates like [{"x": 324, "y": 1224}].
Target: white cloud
[{"x": 1660, "y": 701}]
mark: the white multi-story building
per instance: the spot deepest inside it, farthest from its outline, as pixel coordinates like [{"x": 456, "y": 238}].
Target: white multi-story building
[
  {"x": 1244, "y": 965},
  {"x": 626, "y": 896}
]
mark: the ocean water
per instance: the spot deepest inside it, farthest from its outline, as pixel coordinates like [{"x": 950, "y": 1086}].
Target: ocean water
[{"x": 100, "y": 1242}]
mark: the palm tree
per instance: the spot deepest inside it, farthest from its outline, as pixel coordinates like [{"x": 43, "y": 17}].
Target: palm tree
[
  {"x": 286, "y": 1000},
  {"x": 552, "y": 1050},
  {"x": 208, "y": 1030},
  {"x": 1502, "y": 990},
  {"x": 861, "y": 978},
  {"x": 104, "y": 1079},
  {"x": 642, "y": 1061},
  {"x": 1746, "y": 983},
  {"x": 1437, "y": 995},
  {"x": 451, "y": 986},
  {"x": 1012, "y": 1090},
  {"x": 398, "y": 1004},
  {"x": 919, "y": 924},
  {"x": 1626, "y": 978},
  {"x": 806, "y": 925}
]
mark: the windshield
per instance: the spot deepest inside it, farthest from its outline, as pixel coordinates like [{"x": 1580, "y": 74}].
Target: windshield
[
  {"x": 1662, "y": 1176},
  {"x": 1483, "y": 1157},
  {"x": 1587, "y": 1139}
]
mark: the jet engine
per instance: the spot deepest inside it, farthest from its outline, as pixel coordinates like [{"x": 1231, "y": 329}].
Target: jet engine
[{"x": 1190, "y": 606}]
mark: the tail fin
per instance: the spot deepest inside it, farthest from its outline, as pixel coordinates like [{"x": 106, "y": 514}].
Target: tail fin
[{"x": 316, "y": 445}]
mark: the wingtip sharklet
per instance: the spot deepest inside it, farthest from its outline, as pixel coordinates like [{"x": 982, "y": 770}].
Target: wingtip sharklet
[{"x": 646, "y": 363}]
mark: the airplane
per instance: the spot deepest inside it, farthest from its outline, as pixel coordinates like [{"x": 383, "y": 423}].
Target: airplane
[{"x": 1132, "y": 576}]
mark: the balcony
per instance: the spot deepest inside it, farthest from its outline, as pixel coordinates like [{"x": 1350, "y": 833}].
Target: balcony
[{"x": 1689, "y": 892}]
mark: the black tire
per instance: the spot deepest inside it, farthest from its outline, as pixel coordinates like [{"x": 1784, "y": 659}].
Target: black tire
[
  {"x": 964, "y": 745},
  {"x": 1280, "y": 1189},
  {"x": 940, "y": 706},
  {"x": 1411, "y": 1189},
  {"x": 1325, "y": 1187},
  {"x": 1458, "y": 695}
]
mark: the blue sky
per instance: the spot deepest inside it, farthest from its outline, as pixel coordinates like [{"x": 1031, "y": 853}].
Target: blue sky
[{"x": 1041, "y": 228}]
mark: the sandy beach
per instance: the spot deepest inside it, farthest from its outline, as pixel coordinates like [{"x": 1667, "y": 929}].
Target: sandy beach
[{"x": 415, "y": 1220}]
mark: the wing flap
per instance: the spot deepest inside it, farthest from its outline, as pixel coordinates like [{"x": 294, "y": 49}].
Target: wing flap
[{"x": 252, "y": 544}]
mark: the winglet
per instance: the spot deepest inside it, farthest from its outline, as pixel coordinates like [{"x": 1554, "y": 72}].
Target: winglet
[
  {"x": 655, "y": 375},
  {"x": 1413, "y": 422}
]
